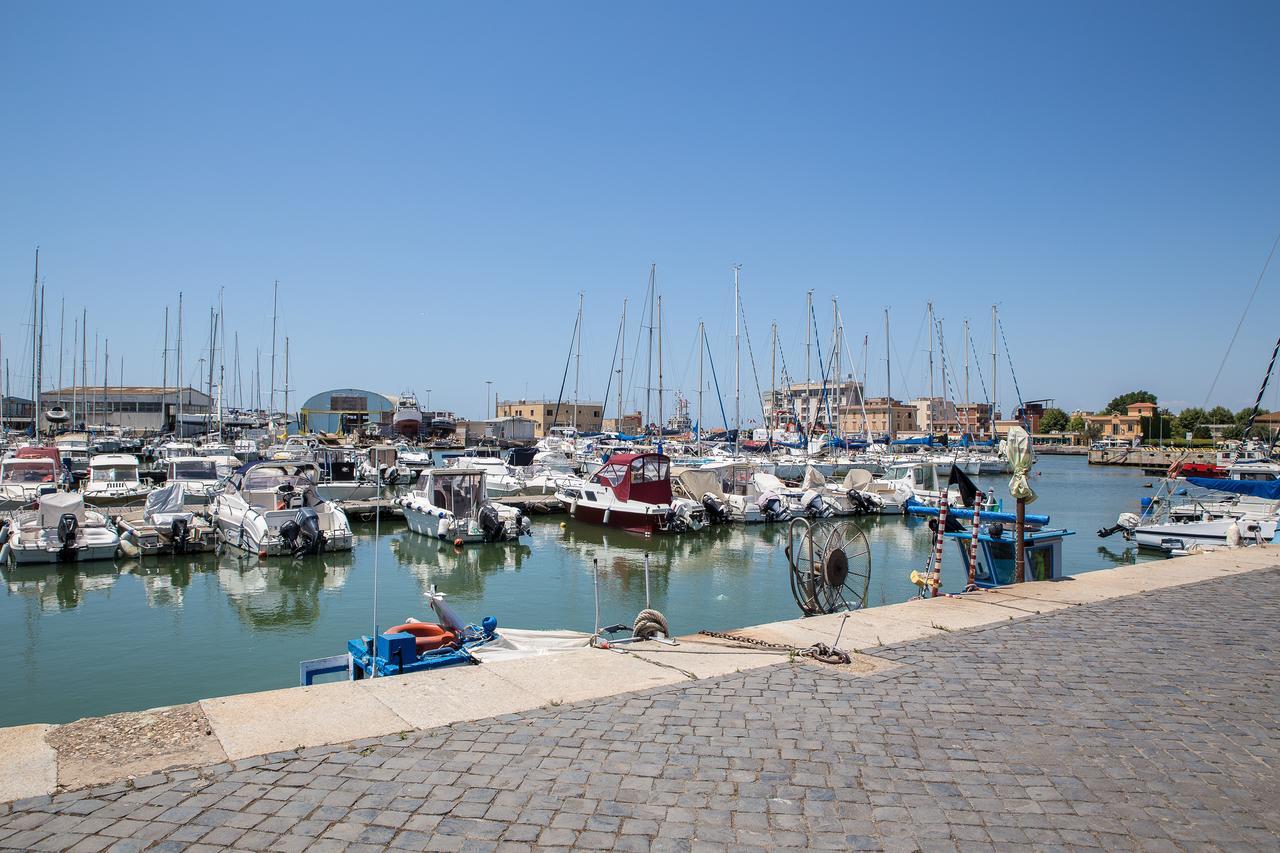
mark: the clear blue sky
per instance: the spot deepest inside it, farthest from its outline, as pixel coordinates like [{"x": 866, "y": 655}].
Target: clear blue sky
[{"x": 433, "y": 184}]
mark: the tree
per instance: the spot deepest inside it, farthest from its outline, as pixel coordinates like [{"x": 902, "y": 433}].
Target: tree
[
  {"x": 1220, "y": 415},
  {"x": 1119, "y": 404},
  {"x": 1053, "y": 420},
  {"x": 1077, "y": 424},
  {"x": 1158, "y": 427}
]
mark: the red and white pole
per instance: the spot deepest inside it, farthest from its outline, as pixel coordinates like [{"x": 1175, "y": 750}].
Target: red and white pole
[
  {"x": 936, "y": 581},
  {"x": 973, "y": 542}
]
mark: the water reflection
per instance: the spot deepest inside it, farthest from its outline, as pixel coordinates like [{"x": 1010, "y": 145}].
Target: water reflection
[
  {"x": 281, "y": 593},
  {"x": 60, "y": 586}
]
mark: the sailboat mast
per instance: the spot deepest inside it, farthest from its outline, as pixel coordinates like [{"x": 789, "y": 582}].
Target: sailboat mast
[
  {"x": 737, "y": 361},
  {"x": 62, "y": 332},
  {"x": 35, "y": 412},
  {"x": 286, "y": 385},
  {"x": 164, "y": 367},
  {"x": 177, "y": 423},
  {"x": 275, "y": 294},
  {"x": 577, "y": 368},
  {"x": 35, "y": 358},
  {"x": 994, "y": 369},
  {"x": 836, "y": 345},
  {"x": 213, "y": 342},
  {"x": 661, "y": 407},
  {"x": 929, "y": 409},
  {"x": 106, "y": 377},
  {"x": 773, "y": 376},
  {"x": 648, "y": 384},
  {"x": 238, "y": 395},
  {"x": 702, "y": 349},
  {"x": 622, "y": 359},
  {"x": 968, "y": 408},
  {"x": 84, "y": 363},
  {"x": 75, "y": 339},
  {"x": 808, "y": 345},
  {"x": 888, "y": 378}
]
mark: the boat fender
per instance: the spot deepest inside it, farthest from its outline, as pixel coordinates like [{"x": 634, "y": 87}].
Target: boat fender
[
  {"x": 128, "y": 547},
  {"x": 4, "y": 552}
]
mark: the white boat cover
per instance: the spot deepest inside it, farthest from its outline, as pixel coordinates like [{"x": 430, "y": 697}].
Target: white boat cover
[
  {"x": 767, "y": 482},
  {"x": 513, "y": 643},
  {"x": 858, "y": 479},
  {"x": 1020, "y": 460},
  {"x": 813, "y": 478},
  {"x": 697, "y": 482},
  {"x": 58, "y": 504},
  {"x": 165, "y": 500}
]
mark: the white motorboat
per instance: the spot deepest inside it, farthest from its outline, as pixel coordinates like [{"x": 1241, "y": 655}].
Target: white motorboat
[
  {"x": 453, "y": 504},
  {"x": 273, "y": 509},
  {"x": 382, "y": 464},
  {"x": 57, "y": 415},
  {"x": 59, "y": 530},
  {"x": 73, "y": 449},
  {"x": 336, "y": 474},
  {"x": 198, "y": 473},
  {"x": 27, "y": 475},
  {"x": 632, "y": 491},
  {"x": 114, "y": 481},
  {"x": 806, "y": 502},
  {"x": 727, "y": 492},
  {"x": 1251, "y": 519},
  {"x": 166, "y": 525},
  {"x": 499, "y": 481}
]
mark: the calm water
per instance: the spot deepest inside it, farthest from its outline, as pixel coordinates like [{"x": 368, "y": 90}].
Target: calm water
[{"x": 100, "y": 638}]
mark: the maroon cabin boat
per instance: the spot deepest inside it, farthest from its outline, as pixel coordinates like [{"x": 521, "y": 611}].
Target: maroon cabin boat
[{"x": 632, "y": 491}]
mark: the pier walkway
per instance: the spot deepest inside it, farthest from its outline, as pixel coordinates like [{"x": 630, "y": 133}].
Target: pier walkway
[{"x": 1145, "y": 721}]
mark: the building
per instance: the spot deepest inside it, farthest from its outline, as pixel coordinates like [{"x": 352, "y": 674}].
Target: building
[
  {"x": 975, "y": 418},
  {"x": 344, "y": 410},
  {"x": 936, "y": 414},
  {"x": 629, "y": 424},
  {"x": 143, "y": 408},
  {"x": 1266, "y": 426},
  {"x": 509, "y": 429},
  {"x": 877, "y": 413},
  {"x": 808, "y": 401},
  {"x": 544, "y": 414},
  {"x": 1126, "y": 427},
  {"x": 17, "y": 413}
]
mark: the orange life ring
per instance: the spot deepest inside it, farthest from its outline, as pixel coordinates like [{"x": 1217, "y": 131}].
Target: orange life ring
[{"x": 427, "y": 635}]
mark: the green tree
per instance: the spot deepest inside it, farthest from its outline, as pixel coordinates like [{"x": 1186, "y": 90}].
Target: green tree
[
  {"x": 1077, "y": 424},
  {"x": 1157, "y": 427},
  {"x": 1220, "y": 415},
  {"x": 1119, "y": 404},
  {"x": 1053, "y": 420}
]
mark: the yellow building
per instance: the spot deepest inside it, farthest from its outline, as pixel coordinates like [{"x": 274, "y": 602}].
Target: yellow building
[
  {"x": 1126, "y": 427},
  {"x": 877, "y": 417},
  {"x": 544, "y": 415}
]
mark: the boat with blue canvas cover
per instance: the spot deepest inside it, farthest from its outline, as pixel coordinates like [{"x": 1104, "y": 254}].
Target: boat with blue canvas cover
[{"x": 1251, "y": 519}]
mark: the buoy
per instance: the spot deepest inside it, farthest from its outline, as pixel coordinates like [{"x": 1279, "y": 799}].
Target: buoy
[
  {"x": 427, "y": 635},
  {"x": 563, "y": 525},
  {"x": 457, "y": 543}
]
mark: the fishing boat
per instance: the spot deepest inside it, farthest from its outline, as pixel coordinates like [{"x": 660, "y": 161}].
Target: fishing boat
[
  {"x": 632, "y": 491},
  {"x": 59, "y": 530},
  {"x": 166, "y": 525},
  {"x": 28, "y": 474},
  {"x": 453, "y": 504},
  {"x": 114, "y": 481},
  {"x": 273, "y": 509},
  {"x": 407, "y": 419}
]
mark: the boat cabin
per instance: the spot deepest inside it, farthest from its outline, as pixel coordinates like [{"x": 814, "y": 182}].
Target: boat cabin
[
  {"x": 197, "y": 469},
  {"x": 461, "y": 491},
  {"x": 641, "y": 477},
  {"x": 113, "y": 468},
  {"x": 997, "y": 554}
]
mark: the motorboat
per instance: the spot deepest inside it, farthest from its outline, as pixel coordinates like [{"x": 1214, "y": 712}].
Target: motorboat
[
  {"x": 28, "y": 474},
  {"x": 57, "y": 415},
  {"x": 336, "y": 474},
  {"x": 381, "y": 464},
  {"x": 198, "y": 473},
  {"x": 915, "y": 480},
  {"x": 59, "y": 530},
  {"x": 632, "y": 491},
  {"x": 114, "y": 481},
  {"x": 798, "y": 501},
  {"x": 273, "y": 509},
  {"x": 166, "y": 525},
  {"x": 407, "y": 419},
  {"x": 499, "y": 481},
  {"x": 728, "y": 492},
  {"x": 74, "y": 451},
  {"x": 453, "y": 504},
  {"x": 1252, "y": 518}
]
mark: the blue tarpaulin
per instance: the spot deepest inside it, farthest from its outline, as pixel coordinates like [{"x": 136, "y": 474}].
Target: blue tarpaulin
[{"x": 1265, "y": 489}]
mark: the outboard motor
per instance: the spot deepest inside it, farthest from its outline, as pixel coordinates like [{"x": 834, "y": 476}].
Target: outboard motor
[
  {"x": 1124, "y": 524},
  {"x": 524, "y": 526},
  {"x": 814, "y": 506},
  {"x": 773, "y": 508},
  {"x": 180, "y": 533},
  {"x": 676, "y": 522},
  {"x": 302, "y": 535},
  {"x": 390, "y": 475},
  {"x": 491, "y": 524},
  {"x": 717, "y": 512},
  {"x": 68, "y": 526}
]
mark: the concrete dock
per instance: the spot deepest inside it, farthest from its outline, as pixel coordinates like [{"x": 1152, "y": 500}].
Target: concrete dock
[{"x": 1134, "y": 707}]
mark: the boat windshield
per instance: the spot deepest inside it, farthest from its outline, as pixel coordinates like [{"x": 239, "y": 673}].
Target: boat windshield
[
  {"x": 271, "y": 478},
  {"x": 898, "y": 473},
  {"x": 462, "y": 494},
  {"x": 194, "y": 469},
  {"x": 33, "y": 471},
  {"x": 113, "y": 474},
  {"x": 650, "y": 469}
]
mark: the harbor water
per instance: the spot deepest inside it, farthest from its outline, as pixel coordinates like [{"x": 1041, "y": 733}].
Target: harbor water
[{"x": 98, "y": 638}]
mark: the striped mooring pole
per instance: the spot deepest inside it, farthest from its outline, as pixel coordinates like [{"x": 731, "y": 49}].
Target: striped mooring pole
[
  {"x": 936, "y": 581},
  {"x": 973, "y": 542}
]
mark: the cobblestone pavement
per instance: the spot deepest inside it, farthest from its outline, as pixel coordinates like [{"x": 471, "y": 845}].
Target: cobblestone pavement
[{"x": 1146, "y": 722}]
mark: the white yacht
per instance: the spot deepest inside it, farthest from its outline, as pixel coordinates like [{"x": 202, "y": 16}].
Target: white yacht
[
  {"x": 273, "y": 509},
  {"x": 26, "y": 476},
  {"x": 59, "y": 530},
  {"x": 114, "y": 481},
  {"x": 198, "y": 473},
  {"x": 453, "y": 504}
]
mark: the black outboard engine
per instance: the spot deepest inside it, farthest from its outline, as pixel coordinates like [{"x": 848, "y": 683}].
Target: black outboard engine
[
  {"x": 180, "y": 533},
  {"x": 68, "y": 526},
  {"x": 491, "y": 524},
  {"x": 717, "y": 512},
  {"x": 676, "y": 522},
  {"x": 815, "y": 506},
  {"x": 390, "y": 475},
  {"x": 774, "y": 509},
  {"x": 302, "y": 535}
]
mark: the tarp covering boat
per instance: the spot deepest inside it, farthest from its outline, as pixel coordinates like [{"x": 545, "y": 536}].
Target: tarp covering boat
[{"x": 1265, "y": 489}]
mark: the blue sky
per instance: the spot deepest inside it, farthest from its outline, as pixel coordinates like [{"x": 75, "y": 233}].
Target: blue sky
[{"x": 433, "y": 184}]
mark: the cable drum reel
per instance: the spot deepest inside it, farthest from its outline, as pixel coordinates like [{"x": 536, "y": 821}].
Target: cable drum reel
[{"x": 830, "y": 565}]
